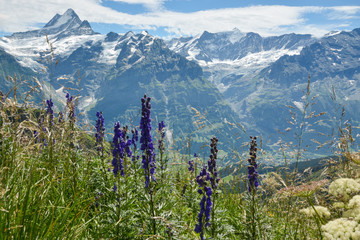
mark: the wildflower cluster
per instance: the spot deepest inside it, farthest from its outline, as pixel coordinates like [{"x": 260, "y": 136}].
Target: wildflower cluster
[
  {"x": 205, "y": 204},
  {"x": 252, "y": 173},
  {"x": 148, "y": 157}
]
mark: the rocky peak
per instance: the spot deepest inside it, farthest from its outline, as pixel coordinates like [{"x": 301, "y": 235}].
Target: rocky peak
[
  {"x": 68, "y": 19},
  {"x": 61, "y": 25}
]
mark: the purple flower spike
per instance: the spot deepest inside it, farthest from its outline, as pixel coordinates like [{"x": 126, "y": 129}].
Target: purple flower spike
[
  {"x": 71, "y": 106},
  {"x": 147, "y": 146},
  {"x": 60, "y": 116},
  {"x": 100, "y": 131},
  {"x": 135, "y": 138},
  {"x": 212, "y": 163},
  {"x": 191, "y": 166},
  {"x": 162, "y": 136},
  {"x": 49, "y": 110},
  {"x": 205, "y": 204},
  {"x": 252, "y": 173},
  {"x": 119, "y": 150}
]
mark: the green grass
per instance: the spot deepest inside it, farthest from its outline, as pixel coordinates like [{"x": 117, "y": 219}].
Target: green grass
[{"x": 57, "y": 186}]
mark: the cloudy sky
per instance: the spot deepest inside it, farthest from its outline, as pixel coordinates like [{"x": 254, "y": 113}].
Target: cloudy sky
[{"x": 169, "y": 18}]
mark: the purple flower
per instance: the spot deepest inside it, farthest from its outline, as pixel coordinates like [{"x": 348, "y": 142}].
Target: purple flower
[
  {"x": 69, "y": 97},
  {"x": 191, "y": 166},
  {"x": 252, "y": 173},
  {"x": 71, "y": 106},
  {"x": 36, "y": 136},
  {"x": 49, "y": 110},
  {"x": 191, "y": 163},
  {"x": 162, "y": 135},
  {"x": 60, "y": 116},
  {"x": 97, "y": 197},
  {"x": 199, "y": 226},
  {"x": 205, "y": 204},
  {"x": 128, "y": 148},
  {"x": 161, "y": 126},
  {"x": 41, "y": 135},
  {"x": 135, "y": 137},
  {"x": 100, "y": 131},
  {"x": 208, "y": 207},
  {"x": 148, "y": 157},
  {"x": 212, "y": 163},
  {"x": 119, "y": 150}
]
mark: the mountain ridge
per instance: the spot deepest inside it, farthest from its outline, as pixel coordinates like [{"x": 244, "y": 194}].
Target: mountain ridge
[{"x": 232, "y": 76}]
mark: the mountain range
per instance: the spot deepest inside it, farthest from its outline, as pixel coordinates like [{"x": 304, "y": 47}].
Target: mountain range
[
  {"x": 264, "y": 78},
  {"x": 111, "y": 73},
  {"x": 238, "y": 81}
]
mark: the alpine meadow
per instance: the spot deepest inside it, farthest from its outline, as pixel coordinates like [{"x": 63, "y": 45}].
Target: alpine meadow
[{"x": 220, "y": 135}]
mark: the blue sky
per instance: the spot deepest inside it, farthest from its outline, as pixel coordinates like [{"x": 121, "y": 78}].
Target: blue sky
[{"x": 173, "y": 18}]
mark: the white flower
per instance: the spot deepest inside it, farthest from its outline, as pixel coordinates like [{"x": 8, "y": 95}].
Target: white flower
[
  {"x": 338, "y": 205},
  {"x": 354, "y": 208},
  {"x": 322, "y": 211},
  {"x": 354, "y": 202},
  {"x": 343, "y": 188},
  {"x": 353, "y": 214},
  {"x": 341, "y": 229}
]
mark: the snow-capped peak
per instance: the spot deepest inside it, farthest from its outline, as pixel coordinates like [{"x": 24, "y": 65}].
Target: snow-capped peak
[
  {"x": 144, "y": 33},
  {"x": 59, "y": 20},
  {"x": 332, "y": 33},
  {"x": 61, "y": 25},
  {"x": 236, "y": 35}
]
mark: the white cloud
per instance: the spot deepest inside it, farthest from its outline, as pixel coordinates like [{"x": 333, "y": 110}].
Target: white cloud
[
  {"x": 344, "y": 12},
  {"x": 21, "y": 15},
  {"x": 267, "y": 20},
  {"x": 151, "y": 4}
]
